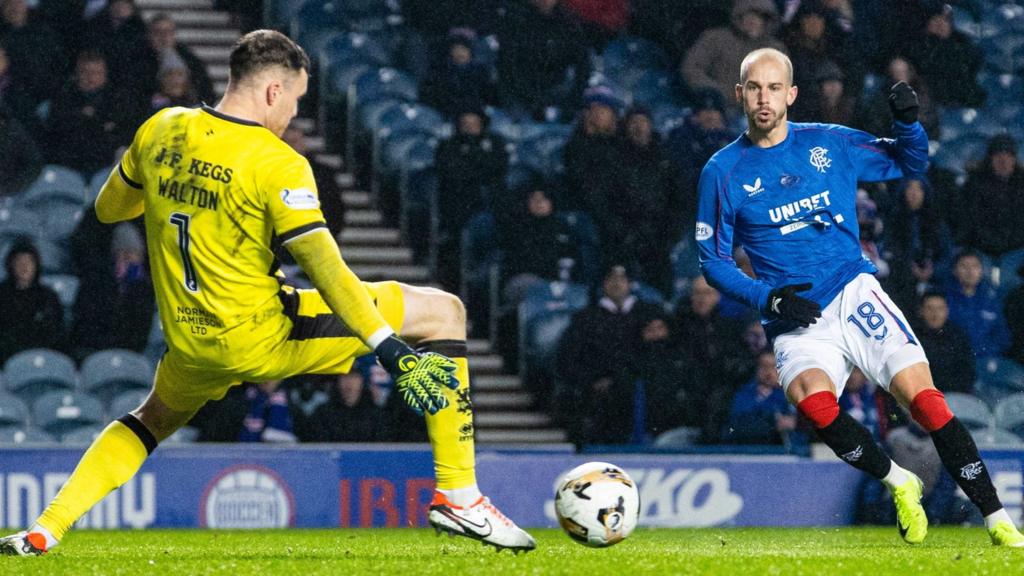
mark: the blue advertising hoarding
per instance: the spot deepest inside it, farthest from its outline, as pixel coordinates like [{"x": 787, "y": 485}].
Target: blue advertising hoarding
[{"x": 240, "y": 486}]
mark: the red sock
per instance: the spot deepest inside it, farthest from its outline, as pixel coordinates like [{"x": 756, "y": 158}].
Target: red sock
[
  {"x": 821, "y": 408},
  {"x": 930, "y": 410}
]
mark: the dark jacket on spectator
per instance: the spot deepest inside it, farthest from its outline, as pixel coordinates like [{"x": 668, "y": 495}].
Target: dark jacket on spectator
[
  {"x": 149, "y": 68},
  {"x": 20, "y": 160},
  {"x": 950, "y": 357},
  {"x": 337, "y": 422},
  {"x": 37, "y": 58},
  {"x": 31, "y": 317},
  {"x": 596, "y": 182},
  {"x": 451, "y": 87},
  {"x": 85, "y": 130},
  {"x": 543, "y": 60},
  {"x": 121, "y": 44},
  {"x": 994, "y": 218},
  {"x": 950, "y": 66},
  {"x": 470, "y": 177}
]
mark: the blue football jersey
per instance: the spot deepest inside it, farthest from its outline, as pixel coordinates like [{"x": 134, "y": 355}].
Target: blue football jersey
[{"x": 793, "y": 208}]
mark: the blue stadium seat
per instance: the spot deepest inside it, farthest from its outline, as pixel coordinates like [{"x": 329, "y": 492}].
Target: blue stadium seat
[
  {"x": 630, "y": 51},
  {"x": 655, "y": 88},
  {"x": 502, "y": 123},
  {"x": 1001, "y": 371},
  {"x": 54, "y": 182},
  {"x": 378, "y": 83},
  {"x": 961, "y": 154},
  {"x": 108, "y": 373},
  {"x": 65, "y": 285},
  {"x": 971, "y": 410},
  {"x": 350, "y": 47},
  {"x": 1004, "y": 53},
  {"x": 53, "y": 256},
  {"x": 1009, "y": 413},
  {"x": 59, "y": 413},
  {"x": 543, "y": 152},
  {"x": 584, "y": 234},
  {"x": 183, "y": 435},
  {"x": 125, "y": 402},
  {"x": 996, "y": 438},
  {"x": 82, "y": 436},
  {"x": 13, "y": 412},
  {"x": 96, "y": 181},
  {"x": 32, "y": 372},
  {"x": 1002, "y": 88},
  {"x": 60, "y": 218},
  {"x": 668, "y": 117},
  {"x": 685, "y": 266},
  {"x": 544, "y": 314},
  {"x": 479, "y": 252},
  {"x": 365, "y": 123},
  {"x": 15, "y": 435},
  {"x": 417, "y": 188},
  {"x": 682, "y": 437},
  {"x": 16, "y": 221}
]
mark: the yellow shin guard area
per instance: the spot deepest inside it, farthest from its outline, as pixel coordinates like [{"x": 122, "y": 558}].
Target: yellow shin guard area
[
  {"x": 114, "y": 457},
  {"x": 451, "y": 429}
]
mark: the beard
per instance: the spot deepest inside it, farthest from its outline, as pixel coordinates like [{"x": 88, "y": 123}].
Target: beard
[{"x": 765, "y": 125}]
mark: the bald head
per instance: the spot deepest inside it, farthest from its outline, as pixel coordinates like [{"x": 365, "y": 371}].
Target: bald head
[{"x": 765, "y": 54}]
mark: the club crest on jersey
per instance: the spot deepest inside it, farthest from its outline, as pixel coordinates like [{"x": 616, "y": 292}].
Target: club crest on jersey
[
  {"x": 820, "y": 159},
  {"x": 755, "y": 189},
  {"x": 704, "y": 231},
  {"x": 299, "y": 198}
]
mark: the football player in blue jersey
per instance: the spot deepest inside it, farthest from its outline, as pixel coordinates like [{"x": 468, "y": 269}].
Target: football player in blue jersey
[{"x": 786, "y": 192}]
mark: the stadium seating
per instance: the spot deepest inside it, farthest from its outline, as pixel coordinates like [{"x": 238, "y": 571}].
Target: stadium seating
[
  {"x": 584, "y": 234},
  {"x": 13, "y": 412},
  {"x": 14, "y": 435},
  {"x": 971, "y": 410},
  {"x": 30, "y": 373},
  {"x": 55, "y": 183},
  {"x": 682, "y": 437},
  {"x": 66, "y": 287},
  {"x": 107, "y": 373},
  {"x": 1009, "y": 413},
  {"x": 996, "y": 438},
  {"x": 183, "y": 435},
  {"x": 60, "y": 413},
  {"x": 630, "y": 52},
  {"x": 82, "y": 436},
  {"x": 16, "y": 221},
  {"x": 961, "y": 152},
  {"x": 480, "y": 267},
  {"x": 685, "y": 266},
  {"x": 125, "y": 402},
  {"x": 654, "y": 88},
  {"x": 544, "y": 314}
]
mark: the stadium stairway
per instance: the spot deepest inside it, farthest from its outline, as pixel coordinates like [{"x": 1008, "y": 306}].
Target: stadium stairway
[{"x": 374, "y": 250}]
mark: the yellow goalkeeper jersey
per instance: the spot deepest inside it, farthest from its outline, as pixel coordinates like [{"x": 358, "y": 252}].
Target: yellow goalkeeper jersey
[{"x": 217, "y": 190}]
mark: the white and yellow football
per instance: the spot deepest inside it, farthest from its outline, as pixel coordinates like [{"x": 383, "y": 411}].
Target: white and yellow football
[{"x": 597, "y": 504}]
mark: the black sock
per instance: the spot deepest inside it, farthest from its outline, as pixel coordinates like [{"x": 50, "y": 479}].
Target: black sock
[
  {"x": 960, "y": 456},
  {"x": 852, "y": 442}
]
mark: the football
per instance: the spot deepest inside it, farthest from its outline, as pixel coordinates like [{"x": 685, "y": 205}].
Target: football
[{"x": 597, "y": 504}]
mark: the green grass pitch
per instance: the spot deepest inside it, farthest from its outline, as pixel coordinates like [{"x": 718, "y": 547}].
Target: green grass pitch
[{"x": 713, "y": 551}]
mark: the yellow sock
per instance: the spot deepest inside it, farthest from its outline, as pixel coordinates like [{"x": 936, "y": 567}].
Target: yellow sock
[
  {"x": 451, "y": 430},
  {"x": 114, "y": 457}
]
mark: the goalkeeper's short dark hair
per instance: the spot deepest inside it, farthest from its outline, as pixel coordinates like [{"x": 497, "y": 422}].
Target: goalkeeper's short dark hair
[{"x": 262, "y": 49}]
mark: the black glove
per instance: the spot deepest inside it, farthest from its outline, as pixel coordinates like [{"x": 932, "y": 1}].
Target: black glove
[
  {"x": 903, "y": 102},
  {"x": 784, "y": 302}
]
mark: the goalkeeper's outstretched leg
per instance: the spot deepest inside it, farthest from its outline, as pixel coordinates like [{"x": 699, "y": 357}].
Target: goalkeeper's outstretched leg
[{"x": 435, "y": 321}]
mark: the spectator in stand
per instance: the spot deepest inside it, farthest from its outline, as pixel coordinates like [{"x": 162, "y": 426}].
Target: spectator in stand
[
  {"x": 459, "y": 82},
  {"x": 305, "y": 394},
  {"x": 673, "y": 385},
  {"x": 165, "y": 53},
  {"x": 434, "y": 18},
  {"x": 14, "y": 96},
  {"x": 601, "y": 20},
  {"x": 30, "y": 313},
  {"x": 35, "y": 51},
  {"x": 20, "y": 160},
  {"x": 946, "y": 58},
  {"x": 875, "y": 115},
  {"x": 871, "y": 227},
  {"x": 543, "y": 65},
  {"x": 471, "y": 168},
  {"x": 915, "y": 242},
  {"x": 174, "y": 89},
  {"x": 691, "y": 144},
  {"x": 760, "y": 413},
  {"x": 350, "y": 414},
  {"x": 858, "y": 400},
  {"x": 713, "y": 60},
  {"x": 595, "y": 175},
  {"x": 595, "y": 362},
  {"x": 331, "y": 202},
  {"x": 715, "y": 344},
  {"x": 545, "y": 253},
  {"x": 949, "y": 350},
  {"x": 267, "y": 418},
  {"x": 1013, "y": 307},
  {"x": 89, "y": 121},
  {"x": 653, "y": 202},
  {"x": 993, "y": 201},
  {"x": 835, "y": 105},
  {"x": 119, "y": 33},
  {"x": 975, "y": 307},
  {"x": 115, "y": 303},
  {"x": 676, "y": 25}
]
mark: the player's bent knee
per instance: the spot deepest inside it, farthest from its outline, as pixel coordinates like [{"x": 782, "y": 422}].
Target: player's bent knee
[
  {"x": 820, "y": 408},
  {"x": 159, "y": 418},
  {"x": 930, "y": 410},
  {"x": 432, "y": 314}
]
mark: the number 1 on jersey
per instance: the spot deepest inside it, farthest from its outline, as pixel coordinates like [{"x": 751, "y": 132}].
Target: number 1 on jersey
[{"x": 182, "y": 222}]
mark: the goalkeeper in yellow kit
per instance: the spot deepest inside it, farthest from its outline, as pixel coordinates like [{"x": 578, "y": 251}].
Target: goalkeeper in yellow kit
[{"x": 216, "y": 185}]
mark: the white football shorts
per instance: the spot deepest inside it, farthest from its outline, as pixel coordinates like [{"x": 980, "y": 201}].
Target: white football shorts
[{"x": 861, "y": 327}]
